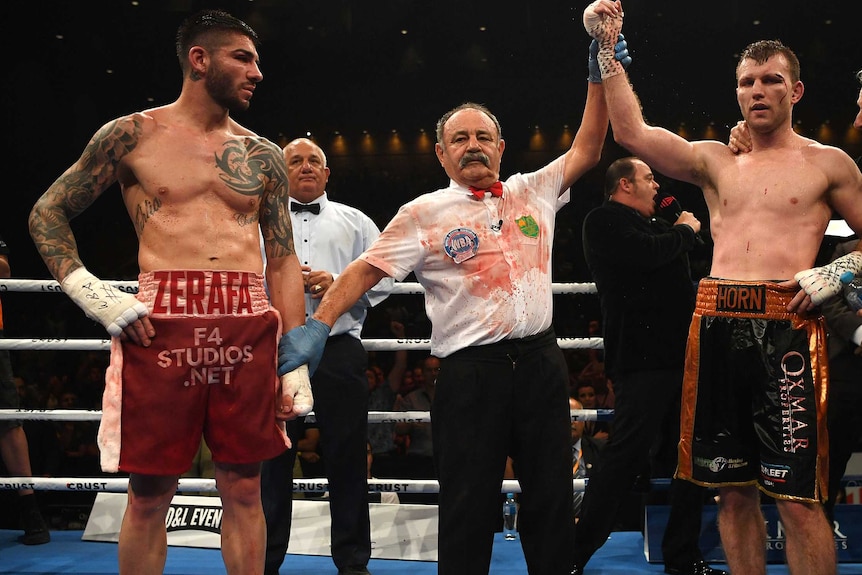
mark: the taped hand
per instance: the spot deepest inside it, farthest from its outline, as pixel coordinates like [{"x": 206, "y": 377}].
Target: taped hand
[
  {"x": 621, "y": 54},
  {"x": 296, "y": 386},
  {"x": 823, "y": 282},
  {"x": 103, "y": 302}
]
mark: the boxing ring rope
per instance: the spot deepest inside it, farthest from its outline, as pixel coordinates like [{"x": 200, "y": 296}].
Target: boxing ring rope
[
  {"x": 120, "y": 484},
  {"x": 189, "y": 484},
  {"x": 300, "y": 485},
  {"x": 399, "y": 288},
  {"x": 408, "y": 288},
  {"x": 410, "y": 344},
  {"x": 373, "y": 416}
]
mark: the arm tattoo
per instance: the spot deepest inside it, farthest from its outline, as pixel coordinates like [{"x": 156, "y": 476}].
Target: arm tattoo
[
  {"x": 274, "y": 215},
  {"x": 76, "y": 190}
]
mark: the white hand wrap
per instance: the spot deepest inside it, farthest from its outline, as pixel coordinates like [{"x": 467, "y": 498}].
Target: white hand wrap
[
  {"x": 296, "y": 384},
  {"x": 606, "y": 30},
  {"x": 593, "y": 21},
  {"x": 824, "y": 282},
  {"x": 102, "y": 302}
]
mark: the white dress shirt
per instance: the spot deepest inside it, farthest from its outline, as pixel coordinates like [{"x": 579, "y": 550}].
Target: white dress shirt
[{"x": 329, "y": 241}]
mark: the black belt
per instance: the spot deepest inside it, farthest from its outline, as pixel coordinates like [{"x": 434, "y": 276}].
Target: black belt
[{"x": 510, "y": 348}]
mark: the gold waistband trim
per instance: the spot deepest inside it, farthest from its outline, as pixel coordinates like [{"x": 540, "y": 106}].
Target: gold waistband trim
[{"x": 730, "y": 298}]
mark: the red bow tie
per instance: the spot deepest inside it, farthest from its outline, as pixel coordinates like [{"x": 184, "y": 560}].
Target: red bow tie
[{"x": 496, "y": 189}]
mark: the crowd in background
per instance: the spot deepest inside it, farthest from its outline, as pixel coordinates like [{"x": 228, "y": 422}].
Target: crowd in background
[
  {"x": 75, "y": 380},
  {"x": 49, "y": 380}
]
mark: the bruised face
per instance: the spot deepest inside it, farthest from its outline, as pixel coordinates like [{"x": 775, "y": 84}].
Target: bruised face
[
  {"x": 471, "y": 150},
  {"x": 766, "y": 93}
]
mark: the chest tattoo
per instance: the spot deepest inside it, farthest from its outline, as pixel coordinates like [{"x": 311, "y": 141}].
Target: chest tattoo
[{"x": 245, "y": 166}]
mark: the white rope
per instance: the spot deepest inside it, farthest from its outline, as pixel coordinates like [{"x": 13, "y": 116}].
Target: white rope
[
  {"x": 415, "y": 344},
  {"x": 400, "y": 288},
  {"x": 186, "y": 484},
  {"x": 300, "y": 485},
  {"x": 43, "y": 344},
  {"x": 120, "y": 485},
  {"x": 373, "y": 416},
  {"x": 51, "y": 414},
  {"x": 51, "y": 286}
]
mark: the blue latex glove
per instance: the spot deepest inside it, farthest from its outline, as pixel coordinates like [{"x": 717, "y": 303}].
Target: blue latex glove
[
  {"x": 595, "y": 76},
  {"x": 621, "y": 53},
  {"x": 302, "y": 345}
]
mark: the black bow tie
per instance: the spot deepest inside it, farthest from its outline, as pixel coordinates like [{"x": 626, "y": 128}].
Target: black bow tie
[{"x": 297, "y": 207}]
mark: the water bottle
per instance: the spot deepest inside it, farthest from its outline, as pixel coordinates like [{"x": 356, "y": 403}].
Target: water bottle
[
  {"x": 852, "y": 290},
  {"x": 510, "y": 514}
]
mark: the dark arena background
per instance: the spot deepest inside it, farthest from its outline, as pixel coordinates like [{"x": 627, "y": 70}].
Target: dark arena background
[{"x": 367, "y": 80}]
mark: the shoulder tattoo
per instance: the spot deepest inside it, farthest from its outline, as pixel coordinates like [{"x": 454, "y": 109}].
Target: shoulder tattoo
[{"x": 247, "y": 164}]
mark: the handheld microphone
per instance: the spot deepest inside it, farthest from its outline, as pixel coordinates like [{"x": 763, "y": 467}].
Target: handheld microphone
[{"x": 669, "y": 209}]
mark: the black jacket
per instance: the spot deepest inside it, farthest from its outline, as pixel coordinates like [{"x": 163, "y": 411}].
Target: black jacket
[
  {"x": 641, "y": 270},
  {"x": 591, "y": 452}
]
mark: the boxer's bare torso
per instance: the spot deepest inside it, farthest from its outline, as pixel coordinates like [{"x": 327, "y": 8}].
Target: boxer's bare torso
[
  {"x": 194, "y": 197},
  {"x": 768, "y": 209}
]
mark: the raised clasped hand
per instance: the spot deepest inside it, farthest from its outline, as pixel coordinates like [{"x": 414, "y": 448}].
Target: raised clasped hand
[{"x": 603, "y": 20}]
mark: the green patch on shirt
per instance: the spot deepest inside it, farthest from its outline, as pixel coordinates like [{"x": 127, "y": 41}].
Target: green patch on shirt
[{"x": 528, "y": 226}]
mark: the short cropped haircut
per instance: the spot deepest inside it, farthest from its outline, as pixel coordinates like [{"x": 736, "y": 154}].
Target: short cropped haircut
[
  {"x": 762, "y": 50},
  {"x": 622, "y": 168},
  {"x": 205, "y": 28}
]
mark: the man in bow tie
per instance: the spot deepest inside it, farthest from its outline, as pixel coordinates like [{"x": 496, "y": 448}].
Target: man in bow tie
[
  {"x": 502, "y": 390},
  {"x": 328, "y": 236}
]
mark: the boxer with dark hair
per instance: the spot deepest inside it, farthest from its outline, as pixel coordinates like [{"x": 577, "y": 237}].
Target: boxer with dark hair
[{"x": 194, "y": 354}]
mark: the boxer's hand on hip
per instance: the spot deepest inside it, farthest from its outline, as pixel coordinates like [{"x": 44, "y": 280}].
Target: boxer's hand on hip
[{"x": 102, "y": 302}]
